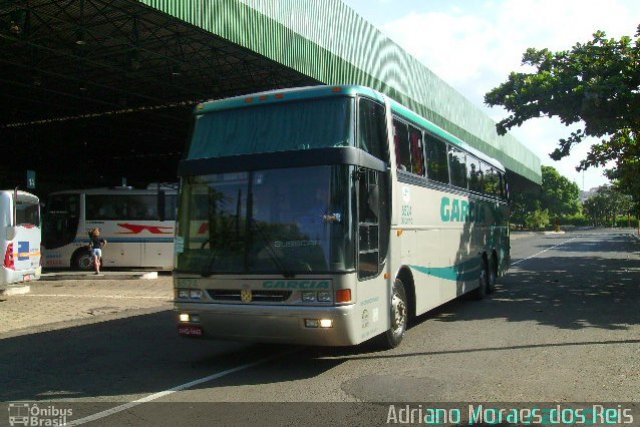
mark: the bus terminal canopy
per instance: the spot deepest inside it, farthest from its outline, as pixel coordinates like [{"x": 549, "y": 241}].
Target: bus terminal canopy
[{"x": 106, "y": 87}]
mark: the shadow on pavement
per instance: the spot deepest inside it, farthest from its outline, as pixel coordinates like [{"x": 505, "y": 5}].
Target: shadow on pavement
[{"x": 136, "y": 355}]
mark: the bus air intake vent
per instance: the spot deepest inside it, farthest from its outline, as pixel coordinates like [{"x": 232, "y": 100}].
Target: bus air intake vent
[{"x": 233, "y": 295}]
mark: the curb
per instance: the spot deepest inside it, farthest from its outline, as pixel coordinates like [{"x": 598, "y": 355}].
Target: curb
[
  {"x": 103, "y": 276},
  {"x": 15, "y": 290}
]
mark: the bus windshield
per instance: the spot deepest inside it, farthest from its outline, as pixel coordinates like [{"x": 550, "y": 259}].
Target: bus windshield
[
  {"x": 284, "y": 126},
  {"x": 279, "y": 221},
  {"x": 61, "y": 220}
]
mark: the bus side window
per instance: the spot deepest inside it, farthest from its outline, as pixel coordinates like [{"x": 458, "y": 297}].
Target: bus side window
[
  {"x": 417, "y": 151},
  {"x": 170, "y": 207},
  {"x": 437, "y": 168},
  {"x": 474, "y": 174},
  {"x": 372, "y": 130},
  {"x": 491, "y": 183},
  {"x": 504, "y": 186},
  {"x": 401, "y": 142},
  {"x": 458, "y": 167}
]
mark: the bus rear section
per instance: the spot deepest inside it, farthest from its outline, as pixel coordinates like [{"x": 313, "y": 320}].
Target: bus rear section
[{"x": 19, "y": 237}]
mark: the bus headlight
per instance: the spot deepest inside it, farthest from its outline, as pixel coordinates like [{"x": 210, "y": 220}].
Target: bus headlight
[
  {"x": 324, "y": 296},
  {"x": 308, "y": 297},
  {"x": 326, "y": 323},
  {"x": 195, "y": 293},
  {"x": 318, "y": 323},
  {"x": 189, "y": 294}
]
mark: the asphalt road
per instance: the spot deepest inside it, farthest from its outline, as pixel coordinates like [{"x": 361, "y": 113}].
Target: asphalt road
[{"x": 563, "y": 326}]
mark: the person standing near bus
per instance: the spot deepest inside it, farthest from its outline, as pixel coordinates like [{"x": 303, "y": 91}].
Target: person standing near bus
[{"x": 96, "y": 243}]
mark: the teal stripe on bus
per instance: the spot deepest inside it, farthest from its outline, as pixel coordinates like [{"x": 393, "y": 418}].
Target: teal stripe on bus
[{"x": 465, "y": 271}]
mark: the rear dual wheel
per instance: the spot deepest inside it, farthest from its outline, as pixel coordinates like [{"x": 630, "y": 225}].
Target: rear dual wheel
[{"x": 484, "y": 286}]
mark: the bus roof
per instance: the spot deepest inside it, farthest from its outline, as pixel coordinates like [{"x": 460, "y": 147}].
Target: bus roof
[
  {"x": 23, "y": 196},
  {"x": 322, "y": 91},
  {"x": 284, "y": 95}
]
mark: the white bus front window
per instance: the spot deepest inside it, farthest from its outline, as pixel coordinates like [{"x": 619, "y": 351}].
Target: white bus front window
[
  {"x": 287, "y": 221},
  {"x": 61, "y": 220}
]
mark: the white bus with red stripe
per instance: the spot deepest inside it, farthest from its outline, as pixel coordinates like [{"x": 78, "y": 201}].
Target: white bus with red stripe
[
  {"x": 19, "y": 237},
  {"x": 138, "y": 225}
]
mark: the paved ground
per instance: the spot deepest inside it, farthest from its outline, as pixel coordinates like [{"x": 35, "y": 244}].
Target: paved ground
[
  {"x": 81, "y": 297},
  {"x": 563, "y": 326}
]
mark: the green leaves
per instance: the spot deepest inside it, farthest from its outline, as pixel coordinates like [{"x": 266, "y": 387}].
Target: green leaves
[{"x": 596, "y": 83}]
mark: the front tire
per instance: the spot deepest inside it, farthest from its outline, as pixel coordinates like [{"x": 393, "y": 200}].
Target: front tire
[
  {"x": 83, "y": 260},
  {"x": 399, "y": 314}
]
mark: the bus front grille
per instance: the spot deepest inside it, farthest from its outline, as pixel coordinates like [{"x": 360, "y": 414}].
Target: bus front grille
[{"x": 233, "y": 295}]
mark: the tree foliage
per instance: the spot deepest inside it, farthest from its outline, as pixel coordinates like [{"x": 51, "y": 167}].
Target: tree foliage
[
  {"x": 604, "y": 207},
  {"x": 537, "y": 220},
  {"x": 557, "y": 197},
  {"x": 596, "y": 84}
]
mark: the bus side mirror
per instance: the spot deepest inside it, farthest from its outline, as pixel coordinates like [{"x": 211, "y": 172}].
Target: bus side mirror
[{"x": 11, "y": 232}]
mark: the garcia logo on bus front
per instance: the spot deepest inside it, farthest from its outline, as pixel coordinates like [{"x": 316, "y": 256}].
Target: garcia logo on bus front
[{"x": 296, "y": 284}]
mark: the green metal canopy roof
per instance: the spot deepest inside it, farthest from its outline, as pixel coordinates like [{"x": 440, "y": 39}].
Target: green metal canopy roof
[
  {"x": 109, "y": 85},
  {"x": 327, "y": 41}
]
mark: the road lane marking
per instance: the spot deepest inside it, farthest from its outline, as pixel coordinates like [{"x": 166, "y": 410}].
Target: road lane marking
[
  {"x": 181, "y": 387},
  {"x": 542, "y": 251}
]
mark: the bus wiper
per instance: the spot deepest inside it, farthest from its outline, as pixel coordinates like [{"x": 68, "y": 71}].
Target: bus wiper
[{"x": 271, "y": 250}]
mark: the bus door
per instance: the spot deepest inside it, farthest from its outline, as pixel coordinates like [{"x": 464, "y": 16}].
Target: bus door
[
  {"x": 368, "y": 224},
  {"x": 374, "y": 222}
]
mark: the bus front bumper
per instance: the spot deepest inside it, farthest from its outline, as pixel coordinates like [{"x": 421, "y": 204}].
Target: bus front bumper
[
  {"x": 269, "y": 324},
  {"x": 9, "y": 277}
]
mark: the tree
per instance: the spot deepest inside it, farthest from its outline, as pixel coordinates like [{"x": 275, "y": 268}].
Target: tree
[
  {"x": 537, "y": 219},
  {"x": 596, "y": 84},
  {"x": 559, "y": 195},
  {"x": 604, "y": 207},
  {"x": 556, "y": 198}
]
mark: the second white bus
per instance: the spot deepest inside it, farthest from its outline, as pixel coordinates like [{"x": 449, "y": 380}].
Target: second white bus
[{"x": 138, "y": 225}]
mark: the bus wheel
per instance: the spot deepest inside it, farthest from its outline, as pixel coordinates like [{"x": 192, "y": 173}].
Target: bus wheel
[
  {"x": 399, "y": 316},
  {"x": 483, "y": 283},
  {"x": 82, "y": 260}
]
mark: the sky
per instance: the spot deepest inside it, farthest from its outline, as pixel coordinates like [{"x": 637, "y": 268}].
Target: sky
[{"x": 474, "y": 44}]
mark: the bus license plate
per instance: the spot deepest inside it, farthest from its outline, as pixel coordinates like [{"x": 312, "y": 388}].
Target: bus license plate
[
  {"x": 190, "y": 330},
  {"x": 26, "y": 277}
]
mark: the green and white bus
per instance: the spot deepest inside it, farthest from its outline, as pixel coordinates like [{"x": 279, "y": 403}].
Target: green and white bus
[{"x": 330, "y": 216}]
